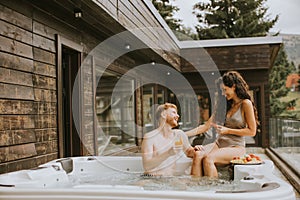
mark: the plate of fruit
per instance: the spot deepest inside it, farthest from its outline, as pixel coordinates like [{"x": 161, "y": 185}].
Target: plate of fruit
[{"x": 247, "y": 159}]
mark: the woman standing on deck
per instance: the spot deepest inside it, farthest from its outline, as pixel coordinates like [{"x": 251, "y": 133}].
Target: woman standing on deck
[{"x": 241, "y": 120}]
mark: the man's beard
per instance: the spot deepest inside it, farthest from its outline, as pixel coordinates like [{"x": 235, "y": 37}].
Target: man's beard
[{"x": 172, "y": 122}]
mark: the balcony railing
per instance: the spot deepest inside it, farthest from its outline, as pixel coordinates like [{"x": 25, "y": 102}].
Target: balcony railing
[{"x": 285, "y": 140}]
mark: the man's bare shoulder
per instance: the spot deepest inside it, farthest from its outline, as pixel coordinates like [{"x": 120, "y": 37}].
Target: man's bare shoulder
[
  {"x": 152, "y": 134},
  {"x": 178, "y": 131}
]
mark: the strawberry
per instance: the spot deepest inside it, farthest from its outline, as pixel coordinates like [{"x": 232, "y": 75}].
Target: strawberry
[{"x": 248, "y": 158}]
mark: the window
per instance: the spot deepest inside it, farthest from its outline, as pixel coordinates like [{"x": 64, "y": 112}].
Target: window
[
  {"x": 115, "y": 112},
  {"x": 153, "y": 95}
]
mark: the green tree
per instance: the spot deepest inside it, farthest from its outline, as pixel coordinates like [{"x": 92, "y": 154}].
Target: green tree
[
  {"x": 232, "y": 19},
  {"x": 277, "y": 79},
  {"x": 298, "y": 87},
  {"x": 167, "y": 10},
  {"x": 186, "y": 33}
]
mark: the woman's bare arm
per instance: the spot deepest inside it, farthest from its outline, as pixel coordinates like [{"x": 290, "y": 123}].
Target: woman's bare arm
[{"x": 200, "y": 129}]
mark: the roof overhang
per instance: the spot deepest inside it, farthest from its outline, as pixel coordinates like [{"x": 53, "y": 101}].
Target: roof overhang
[
  {"x": 229, "y": 54},
  {"x": 102, "y": 19},
  {"x": 230, "y": 42}
]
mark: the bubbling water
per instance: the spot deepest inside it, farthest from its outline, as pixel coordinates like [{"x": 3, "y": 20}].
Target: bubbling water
[{"x": 171, "y": 183}]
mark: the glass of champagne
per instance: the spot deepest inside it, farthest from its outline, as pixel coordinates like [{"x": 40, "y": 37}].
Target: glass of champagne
[{"x": 178, "y": 144}]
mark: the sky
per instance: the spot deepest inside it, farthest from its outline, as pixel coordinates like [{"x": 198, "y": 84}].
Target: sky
[{"x": 288, "y": 11}]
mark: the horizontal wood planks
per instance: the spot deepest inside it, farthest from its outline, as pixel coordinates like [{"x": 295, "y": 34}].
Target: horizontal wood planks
[
  {"x": 228, "y": 58},
  {"x": 135, "y": 14},
  {"x": 28, "y": 122}
]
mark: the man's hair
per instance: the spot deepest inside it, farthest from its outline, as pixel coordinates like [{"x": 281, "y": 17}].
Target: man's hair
[{"x": 161, "y": 108}]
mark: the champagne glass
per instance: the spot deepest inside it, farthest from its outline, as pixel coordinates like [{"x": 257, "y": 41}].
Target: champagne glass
[{"x": 178, "y": 143}]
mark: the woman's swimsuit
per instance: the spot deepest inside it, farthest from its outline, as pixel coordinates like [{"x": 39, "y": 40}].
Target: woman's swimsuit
[{"x": 236, "y": 121}]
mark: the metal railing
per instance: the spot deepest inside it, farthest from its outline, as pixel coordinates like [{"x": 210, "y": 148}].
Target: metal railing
[
  {"x": 284, "y": 132},
  {"x": 285, "y": 143}
]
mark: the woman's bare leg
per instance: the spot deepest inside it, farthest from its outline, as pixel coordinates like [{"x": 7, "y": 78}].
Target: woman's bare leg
[
  {"x": 197, "y": 169},
  {"x": 208, "y": 163},
  {"x": 197, "y": 165},
  {"x": 220, "y": 156},
  {"x": 210, "y": 168}
]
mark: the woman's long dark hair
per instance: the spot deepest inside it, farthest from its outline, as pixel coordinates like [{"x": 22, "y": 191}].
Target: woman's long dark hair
[{"x": 230, "y": 79}]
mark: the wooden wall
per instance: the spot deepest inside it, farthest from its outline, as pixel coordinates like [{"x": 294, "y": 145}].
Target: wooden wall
[
  {"x": 134, "y": 14},
  {"x": 28, "y": 83},
  {"x": 28, "y": 135}
]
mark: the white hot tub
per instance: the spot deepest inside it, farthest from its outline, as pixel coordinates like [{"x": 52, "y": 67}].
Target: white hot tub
[{"x": 114, "y": 177}]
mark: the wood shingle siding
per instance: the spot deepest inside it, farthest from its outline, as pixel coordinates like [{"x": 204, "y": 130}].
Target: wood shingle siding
[
  {"x": 17, "y": 107},
  {"x": 45, "y": 69},
  {"x": 15, "y": 32},
  {"x": 9, "y": 45},
  {"x": 9, "y": 91},
  {"x": 15, "y": 62},
  {"x": 14, "y": 77},
  {"x": 13, "y": 17},
  {"x": 28, "y": 100}
]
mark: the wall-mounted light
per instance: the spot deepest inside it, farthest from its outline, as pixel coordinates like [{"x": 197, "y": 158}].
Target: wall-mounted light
[
  {"x": 127, "y": 46},
  {"x": 77, "y": 13}
]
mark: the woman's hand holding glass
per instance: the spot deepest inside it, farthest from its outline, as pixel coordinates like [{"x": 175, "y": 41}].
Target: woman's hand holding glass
[{"x": 220, "y": 129}]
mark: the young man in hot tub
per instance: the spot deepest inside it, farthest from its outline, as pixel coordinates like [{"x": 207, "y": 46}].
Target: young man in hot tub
[{"x": 160, "y": 146}]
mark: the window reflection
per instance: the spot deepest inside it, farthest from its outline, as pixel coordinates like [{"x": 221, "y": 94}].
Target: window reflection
[
  {"x": 153, "y": 95},
  {"x": 115, "y": 111},
  {"x": 148, "y": 108},
  {"x": 187, "y": 109}
]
